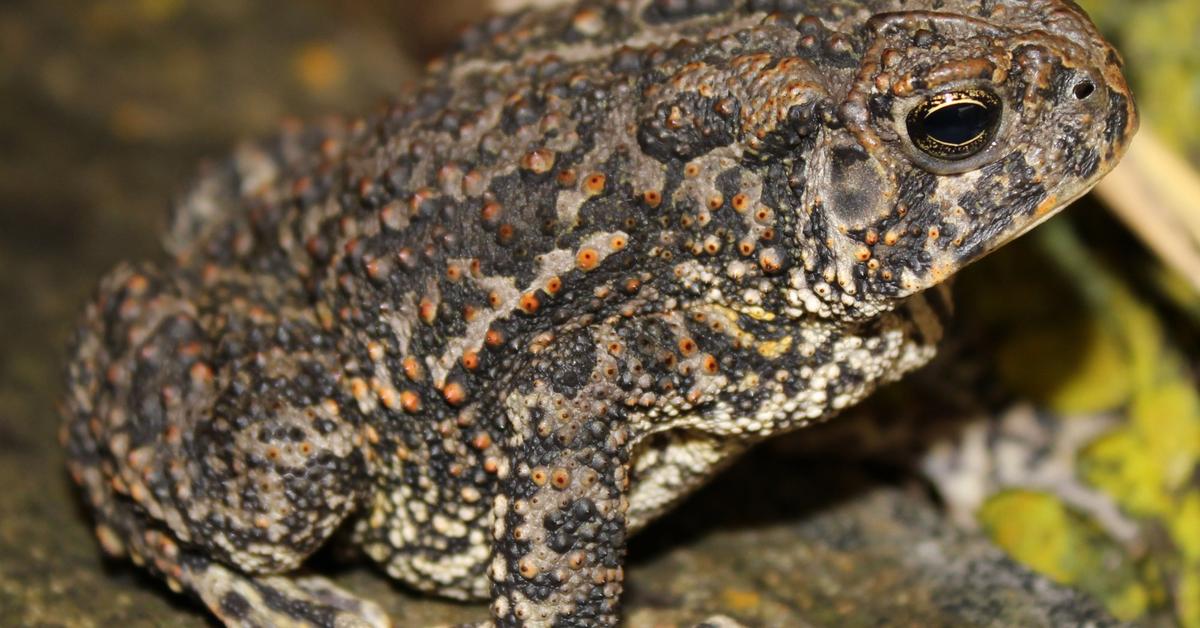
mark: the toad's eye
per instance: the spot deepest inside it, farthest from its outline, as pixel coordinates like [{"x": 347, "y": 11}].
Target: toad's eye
[{"x": 955, "y": 125}]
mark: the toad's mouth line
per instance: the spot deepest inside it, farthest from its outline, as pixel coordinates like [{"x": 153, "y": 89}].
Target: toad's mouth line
[{"x": 1061, "y": 202}]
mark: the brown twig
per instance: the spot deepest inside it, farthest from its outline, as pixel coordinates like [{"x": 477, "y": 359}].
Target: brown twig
[{"x": 1156, "y": 193}]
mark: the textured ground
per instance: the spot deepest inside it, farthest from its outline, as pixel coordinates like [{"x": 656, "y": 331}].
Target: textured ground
[{"x": 106, "y": 109}]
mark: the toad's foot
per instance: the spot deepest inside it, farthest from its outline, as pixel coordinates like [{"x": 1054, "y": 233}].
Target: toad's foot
[
  {"x": 720, "y": 621},
  {"x": 240, "y": 600}
]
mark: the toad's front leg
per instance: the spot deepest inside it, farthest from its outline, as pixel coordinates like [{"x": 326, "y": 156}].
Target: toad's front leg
[{"x": 560, "y": 517}]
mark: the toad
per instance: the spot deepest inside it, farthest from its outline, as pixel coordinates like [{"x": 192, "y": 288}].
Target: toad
[{"x": 493, "y": 329}]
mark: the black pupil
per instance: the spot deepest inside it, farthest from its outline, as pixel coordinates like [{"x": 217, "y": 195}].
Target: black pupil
[
  {"x": 958, "y": 123},
  {"x": 955, "y": 125}
]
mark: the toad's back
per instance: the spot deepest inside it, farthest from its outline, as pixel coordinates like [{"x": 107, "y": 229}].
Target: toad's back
[{"x": 521, "y": 311}]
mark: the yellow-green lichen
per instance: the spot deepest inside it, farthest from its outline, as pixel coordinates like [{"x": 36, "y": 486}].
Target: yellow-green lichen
[
  {"x": 1188, "y": 596},
  {"x": 1147, "y": 462},
  {"x": 1036, "y": 529},
  {"x": 1185, "y": 526}
]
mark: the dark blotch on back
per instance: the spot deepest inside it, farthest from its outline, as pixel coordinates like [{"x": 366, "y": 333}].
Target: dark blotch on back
[
  {"x": 572, "y": 369},
  {"x": 701, "y": 130}
]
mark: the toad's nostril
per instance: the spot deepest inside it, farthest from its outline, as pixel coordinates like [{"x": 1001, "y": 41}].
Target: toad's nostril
[{"x": 1083, "y": 89}]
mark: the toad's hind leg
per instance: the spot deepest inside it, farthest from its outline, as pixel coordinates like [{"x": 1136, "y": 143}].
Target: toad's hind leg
[{"x": 213, "y": 442}]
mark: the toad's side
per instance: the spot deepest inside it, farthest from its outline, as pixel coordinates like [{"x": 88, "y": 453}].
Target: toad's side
[{"x": 497, "y": 327}]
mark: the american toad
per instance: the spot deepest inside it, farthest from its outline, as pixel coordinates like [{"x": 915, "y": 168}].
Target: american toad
[{"x": 495, "y": 328}]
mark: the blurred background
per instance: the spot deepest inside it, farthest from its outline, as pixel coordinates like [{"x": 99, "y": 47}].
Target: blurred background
[{"x": 1062, "y": 425}]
